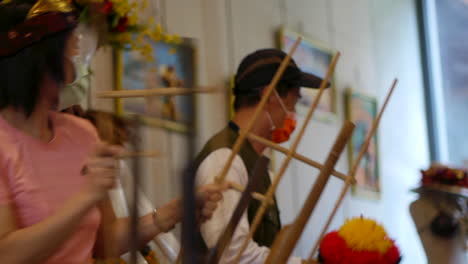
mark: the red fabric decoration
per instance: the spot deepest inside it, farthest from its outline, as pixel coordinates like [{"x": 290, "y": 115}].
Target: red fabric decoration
[
  {"x": 333, "y": 250},
  {"x": 107, "y": 7},
  {"x": 122, "y": 26}
]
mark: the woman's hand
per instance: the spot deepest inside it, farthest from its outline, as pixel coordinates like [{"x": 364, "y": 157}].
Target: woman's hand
[
  {"x": 75, "y": 110},
  {"x": 208, "y": 197},
  {"x": 101, "y": 170}
]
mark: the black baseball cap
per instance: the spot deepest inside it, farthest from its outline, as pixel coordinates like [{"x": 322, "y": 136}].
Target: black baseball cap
[{"x": 258, "y": 68}]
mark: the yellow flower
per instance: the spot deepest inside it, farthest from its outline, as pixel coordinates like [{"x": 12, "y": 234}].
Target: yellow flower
[
  {"x": 176, "y": 39},
  {"x": 172, "y": 51},
  {"x": 85, "y": 2},
  {"x": 168, "y": 38},
  {"x": 158, "y": 29},
  {"x": 132, "y": 20},
  {"x": 365, "y": 234},
  {"x": 144, "y": 4},
  {"x": 121, "y": 38},
  {"x": 151, "y": 20},
  {"x": 121, "y": 7}
]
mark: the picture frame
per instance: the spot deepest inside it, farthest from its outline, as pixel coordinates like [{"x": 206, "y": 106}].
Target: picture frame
[
  {"x": 315, "y": 58},
  {"x": 362, "y": 109},
  {"x": 174, "y": 66}
]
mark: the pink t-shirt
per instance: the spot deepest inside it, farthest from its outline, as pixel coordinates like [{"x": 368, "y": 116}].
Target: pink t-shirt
[{"x": 38, "y": 177}]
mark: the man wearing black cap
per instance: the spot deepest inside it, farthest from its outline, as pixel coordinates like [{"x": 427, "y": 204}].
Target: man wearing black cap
[{"x": 276, "y": 122}]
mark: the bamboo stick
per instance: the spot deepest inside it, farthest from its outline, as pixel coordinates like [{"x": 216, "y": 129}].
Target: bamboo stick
[
  {"x": 257, "y": 196},
  {"x": 128, "y": 155},
  {"x": 271, "y": 190},
  {"x": 163, "y": 91},
  {"x": 295, "y": 155},
  {"x": 242, "y": 135},
  {"x": 289, "y": 239},
  {"x": 353, "y": 169},
  {"x": 179, "y": 257}
]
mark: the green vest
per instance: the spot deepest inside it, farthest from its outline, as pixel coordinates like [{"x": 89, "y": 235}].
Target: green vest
[{"x": 270, "y": 224}]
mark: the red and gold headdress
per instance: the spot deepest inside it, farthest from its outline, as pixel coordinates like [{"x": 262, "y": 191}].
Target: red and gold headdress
[
  {"x": 45, "y": 18},
  {"x": 115, "y": 22}
]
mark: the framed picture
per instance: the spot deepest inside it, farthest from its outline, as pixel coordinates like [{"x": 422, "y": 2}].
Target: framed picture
[
  {"x": 362, "y": 110},
  {"x": 173, "y": 66},
  {"x": 313, "y": 58}
]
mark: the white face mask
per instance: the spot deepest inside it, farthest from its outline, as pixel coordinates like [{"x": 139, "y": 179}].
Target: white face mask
[
  {"x": 76, "y": 92},
  {"x": 87, "y": 43},
  {"x": 87, "y": 38},
  {"x": 283, "y": 133}
]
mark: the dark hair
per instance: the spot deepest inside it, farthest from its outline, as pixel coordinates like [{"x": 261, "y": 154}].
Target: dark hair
[
  {"x": 254, "y": 96},
  {"x": 22, "y": 73}
]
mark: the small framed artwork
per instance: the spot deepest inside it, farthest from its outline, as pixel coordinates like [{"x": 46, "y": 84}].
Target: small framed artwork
[
  {"x": 173, "y": 66},
  {"x": 313, "y": 58},
  {"x": 362, "y": 110}
]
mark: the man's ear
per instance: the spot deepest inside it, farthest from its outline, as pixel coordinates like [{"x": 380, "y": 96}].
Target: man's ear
[
  {"x": 268, "y": 104},
  {"x": 271, "y": 98}
]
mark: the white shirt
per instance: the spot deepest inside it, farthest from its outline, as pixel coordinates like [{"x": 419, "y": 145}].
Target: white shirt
[{"x": 212, "y": 229}]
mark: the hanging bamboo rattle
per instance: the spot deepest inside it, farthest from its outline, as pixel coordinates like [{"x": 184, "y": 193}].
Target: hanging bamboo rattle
[
  {"x": 286, "y": 241},
  {"x": 154, "y": 92},
  {"x": 295, "y": 155},
  {"x": 354, "y": 167}
]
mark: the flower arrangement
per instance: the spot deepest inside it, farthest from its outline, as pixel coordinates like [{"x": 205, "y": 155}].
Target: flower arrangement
[
  {"x": 359, "y": 240},
  {"x": 441, "y": 174},
  {"x": 118, "y": 24}
]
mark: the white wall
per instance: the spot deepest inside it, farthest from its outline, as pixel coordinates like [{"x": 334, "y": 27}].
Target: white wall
[{"x": 378, "y": 41}]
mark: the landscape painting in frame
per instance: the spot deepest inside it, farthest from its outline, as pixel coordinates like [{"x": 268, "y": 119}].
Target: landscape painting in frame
[
  {"x": 173, "y": 66},
  {"x": 362, "y": 111},
  {"x": 312, "y": 58}
]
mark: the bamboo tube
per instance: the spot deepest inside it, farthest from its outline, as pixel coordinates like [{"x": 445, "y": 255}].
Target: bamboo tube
[
  {"x": 257, "y": 196},
  {"x": 353, "y": 169},
  {"x": 242, "y": 135},
  {"x": 179, "y": 257},
  {"x": 128, "y": 155},
  {"x": 271, "y": 190},
  {"x": 164, "y": 91},
  {"x": 294, "y": 231},
  {"x": 295, "y": 155}
]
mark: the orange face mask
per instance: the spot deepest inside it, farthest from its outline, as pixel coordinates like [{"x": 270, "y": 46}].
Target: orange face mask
[{"x": 282, "y": 134}]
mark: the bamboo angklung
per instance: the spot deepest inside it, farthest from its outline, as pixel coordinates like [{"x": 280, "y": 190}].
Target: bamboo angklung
[
  {"x": 353, "y": 169},
  {"x": 285, "y": 243},
  {"x": 134, "y": 234},
  {"x": 164, "y": 91},
  {"x": 296, "y": 155},
  {"x": 271, "y": 190},
  {"x": 243, "y": 134},
  {"x": 127, "y": 155}
]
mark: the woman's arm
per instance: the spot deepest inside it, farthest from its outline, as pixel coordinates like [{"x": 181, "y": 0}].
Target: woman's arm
[
  {"x": 36, "y": 243},
  {"x": 114, "y": 234}
]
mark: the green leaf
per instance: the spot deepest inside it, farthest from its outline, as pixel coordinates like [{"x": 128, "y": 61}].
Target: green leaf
[
  {"x": 115, "y": 21},
  {"x": 84, "y": 15}
]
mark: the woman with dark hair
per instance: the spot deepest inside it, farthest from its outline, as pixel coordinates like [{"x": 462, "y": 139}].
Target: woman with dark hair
[{"x": 54, "y": 171}]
